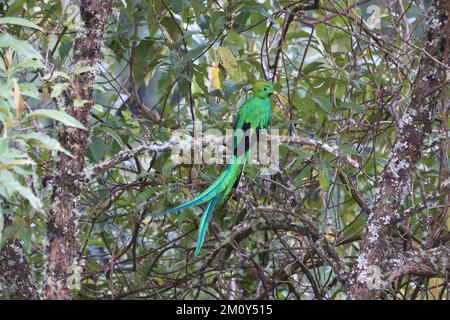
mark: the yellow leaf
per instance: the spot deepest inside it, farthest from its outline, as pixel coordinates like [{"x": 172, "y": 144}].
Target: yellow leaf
[
  {"x": 18, "y": 100},
  {"x": 9, "y": 117},
  {"x": 435, "y": 287},
  {"x": 7, "y": 58},
  {"x": 14, "y": 163},
  {"x": 45, "y": 92},
  {"x": 215, "y": 77},
  {"x": 330, "y": 237},
  {"x": 147, "y": 220},
  {"x": 314, "y": 172},
  {"x": 10, "y": 120},
  {"x": 283, "y": 100},
  {"x": 229, "y": 63}
]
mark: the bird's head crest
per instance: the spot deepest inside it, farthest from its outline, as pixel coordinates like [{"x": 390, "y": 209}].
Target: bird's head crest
[{"x": 263, "y": 89}]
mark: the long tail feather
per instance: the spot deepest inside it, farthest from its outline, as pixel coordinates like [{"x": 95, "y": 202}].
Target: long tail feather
[
  {"x": 234, "y": 173},
  {"x": 206, "y": 219},
  {"x": 215, "y": 193},
  {"x": 208, "y": 194}
]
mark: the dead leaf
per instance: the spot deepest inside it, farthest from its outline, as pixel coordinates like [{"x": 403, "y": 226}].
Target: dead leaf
[{"x": 18, "y": 100}]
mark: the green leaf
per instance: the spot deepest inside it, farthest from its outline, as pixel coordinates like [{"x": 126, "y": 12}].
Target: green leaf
[
  {"x": 55, "y": 74},
  {"x": 97, "y": 107},
  {"x": 11, "y": 163},
  {"x": 44, "y": 140},
  {"x": 58, "y": 88},
  {"x": 355, "y": 227},
  {"x": 349, "y": 150},
  {"x": 259, "y": 9},
  {"x": 84, "y": 69},
  {"x": 146, "y": 56},
  {"x": 8, "y": 181},
  {"x": 97, "y": 149},
  {"x": 194, "y": 53},
  {"x": 114, "y": 135},
  {"x": 78, "y": 103},
  {"x": 60, "y": 116},
  {"x": 28, "y": 194},
  {"x": 177, "y": 6},
  {"x": 20, "y": 22},
  {"x": 29, "y": 63},
  {"x": 324, "y": 180},
  {"x": 353, "y": 106},
  {"x": 144, "y": 195},
  {"x": 325, "y": 175},
  {"x": 29, "y": 90},
  {"x": 306, "y": 172},
  {"x": 10, "y": 153},
  {"x": 15, "y": 7},
  {"x": 167, "y": 168},
  {"x": 22, "y": 47},
  {"x": 3, "y": 146},
  {"x": 323, "y": 102},
  {"x": 229, "y": 63},
  {"x": 171, "y": 27}
]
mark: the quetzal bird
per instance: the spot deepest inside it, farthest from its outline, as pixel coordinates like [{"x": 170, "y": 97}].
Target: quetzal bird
[{"x": 254, "y": 114}]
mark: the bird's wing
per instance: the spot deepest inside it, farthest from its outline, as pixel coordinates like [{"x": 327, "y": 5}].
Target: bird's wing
[{"x": 252, "y": 116}]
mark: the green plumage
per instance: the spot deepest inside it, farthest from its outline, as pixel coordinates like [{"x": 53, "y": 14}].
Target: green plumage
[{"x": 254, "y": 114}]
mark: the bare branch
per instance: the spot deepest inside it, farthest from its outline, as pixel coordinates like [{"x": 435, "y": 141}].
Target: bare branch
[
  {"x": 334, "y": 150},
  {"x": 433, "y": 262}
]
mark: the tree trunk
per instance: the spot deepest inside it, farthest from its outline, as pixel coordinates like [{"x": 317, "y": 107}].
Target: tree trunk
[
  {"x": 372, "y": 270},
  {"x": 62, "y": 230}
]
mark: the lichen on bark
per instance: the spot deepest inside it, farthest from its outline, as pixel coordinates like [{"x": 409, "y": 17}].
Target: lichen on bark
[
  {"x": 16, "y": 280},
  {"x": 414, "y": 126},
  {"x": 68, "y": 173}
]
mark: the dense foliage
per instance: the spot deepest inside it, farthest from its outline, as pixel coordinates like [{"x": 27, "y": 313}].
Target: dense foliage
[{"x": 345, "y": 74}]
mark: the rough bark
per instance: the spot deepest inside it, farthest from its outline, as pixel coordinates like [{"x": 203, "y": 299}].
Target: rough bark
[
  {"x": 377, "y": 251},
  {"x": 62, "y": 244},
  {"x": 433, "y": 262},
  {"x": 15, "y": 276}
]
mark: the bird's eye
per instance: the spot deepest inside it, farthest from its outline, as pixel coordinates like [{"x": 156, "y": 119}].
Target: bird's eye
[{"x": 265, "y": 89}]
